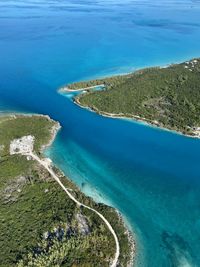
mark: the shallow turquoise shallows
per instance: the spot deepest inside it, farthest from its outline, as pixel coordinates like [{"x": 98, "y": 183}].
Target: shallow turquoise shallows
[{"x": 152, "y": 176}]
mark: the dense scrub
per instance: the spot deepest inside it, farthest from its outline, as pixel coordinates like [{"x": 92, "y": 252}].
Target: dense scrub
[
  {"x": 169, "y": 97},
  {"x": 39, "y": 224}
]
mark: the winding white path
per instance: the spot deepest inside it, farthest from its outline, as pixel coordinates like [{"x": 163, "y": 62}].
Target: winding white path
[{"x": 56, "y": 178}]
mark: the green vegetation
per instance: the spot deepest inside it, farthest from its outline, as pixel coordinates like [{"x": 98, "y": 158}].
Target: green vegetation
[
  {"x": 168, "y": 97},
  {"x": 39, "y": 224},
  {"x": 38, "y": 126}
]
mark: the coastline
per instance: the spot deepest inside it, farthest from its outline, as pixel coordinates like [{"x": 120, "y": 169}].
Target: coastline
[
  {"x": 136, "y": 118},
  {"x": 132, "y": 241},
  {"x": 128, "y": 233},
  {"x": 191, "y": 130},
  {"x": 55, "y": 129},
  {"x": 132, "y": 69}
]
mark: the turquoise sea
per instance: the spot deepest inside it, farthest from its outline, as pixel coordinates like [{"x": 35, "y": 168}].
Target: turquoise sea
[{"x": 152, "y": 176}]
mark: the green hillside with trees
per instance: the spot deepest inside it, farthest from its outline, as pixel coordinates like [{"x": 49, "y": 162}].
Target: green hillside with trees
[
  {"x": 40, "y": 226},
  {"x": 168, "y": 97}
]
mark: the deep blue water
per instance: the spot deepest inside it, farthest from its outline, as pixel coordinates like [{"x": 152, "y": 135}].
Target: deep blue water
[{"x": 151, "y": 176}]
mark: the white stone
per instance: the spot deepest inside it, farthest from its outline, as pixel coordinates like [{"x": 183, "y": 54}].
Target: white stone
[{"x": 22, "y": 145}]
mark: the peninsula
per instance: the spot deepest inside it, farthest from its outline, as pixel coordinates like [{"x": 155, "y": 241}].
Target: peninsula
[
  {"x": 44, "y": 218},
  {"x": 165, "y": 97}
]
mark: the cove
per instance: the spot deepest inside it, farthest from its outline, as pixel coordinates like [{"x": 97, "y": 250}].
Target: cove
[{"x": 150, "y": 175}]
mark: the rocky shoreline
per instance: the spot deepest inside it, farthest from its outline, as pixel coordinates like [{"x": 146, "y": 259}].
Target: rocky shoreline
[
  {"x": 131, "y": 239},
  {"x": 54, "y": 132}
]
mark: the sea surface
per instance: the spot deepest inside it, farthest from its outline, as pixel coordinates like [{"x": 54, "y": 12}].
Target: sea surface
[{"x": 152, "y": 176}]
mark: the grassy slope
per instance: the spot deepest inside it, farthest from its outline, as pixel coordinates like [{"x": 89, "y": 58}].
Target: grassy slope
[
  {"x": 36, "y": 204},
  {"x": 170, "y": 96}
]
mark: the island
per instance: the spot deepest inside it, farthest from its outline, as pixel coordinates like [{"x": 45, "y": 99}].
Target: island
[
  {"x": 45, "y": 220},
  {"x": 167, "y": 97}
]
